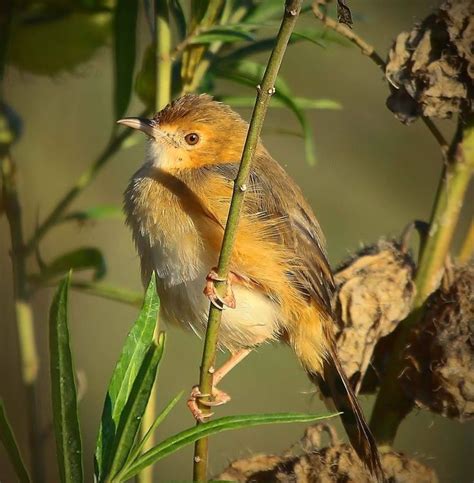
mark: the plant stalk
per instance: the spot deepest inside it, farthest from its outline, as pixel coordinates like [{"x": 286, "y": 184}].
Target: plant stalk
[
  {"x": 23, "y": 315},
  {"x": 467, "y": 248},
  {"x": 264, "y": 94},
  {"x": 163, "y": 68},
  {"x": 392, "y": 405}
]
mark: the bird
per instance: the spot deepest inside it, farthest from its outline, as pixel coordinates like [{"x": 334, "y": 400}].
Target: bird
[{"x": 280, "y": 284}]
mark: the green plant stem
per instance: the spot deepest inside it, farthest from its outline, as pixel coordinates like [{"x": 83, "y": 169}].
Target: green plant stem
[
  {"x": 23, "y": 314},
  {"x": 264, "y": 94},
  {"x": 467, "y": 248},
  {"x": 163, "y": 66},
  {"x": 392, "y": 405},
  {"x": 162, "y": 51},
  {"x": 114, "y": 145},
  {"x": 370, "y": 52}
]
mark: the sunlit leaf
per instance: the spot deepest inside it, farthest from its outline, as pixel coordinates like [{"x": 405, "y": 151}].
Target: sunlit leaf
[
  {"x": 11, "y": 447},
  {"x": 87, "y": 258},
  {"x": 63, "y": 390},
  {"x": 125, "y": 20},
  {"x": 184, "y": 438},
  {"x": 132, "y": 414},
  {"x": 136, "y": 346}
]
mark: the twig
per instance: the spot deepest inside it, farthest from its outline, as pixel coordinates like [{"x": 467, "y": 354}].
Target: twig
[
  {"x": 109, "y": 292},
  {"x": 370, "y": 52},
  {"x": 467, "y": 248},
  {"x": 391, "y": 405},
  {"x": 84, "y": 180},
  {"x": 23, "y": 314},
  {"x": 264, "y": 94}
]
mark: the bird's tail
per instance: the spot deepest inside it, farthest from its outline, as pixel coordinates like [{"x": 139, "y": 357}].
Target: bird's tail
[
  {"x": 335, "y": 388},
  {"x": 314, "y": 344}
]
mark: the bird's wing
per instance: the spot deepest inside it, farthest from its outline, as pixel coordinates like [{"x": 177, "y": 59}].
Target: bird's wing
[{"x": 275, "y": 202}]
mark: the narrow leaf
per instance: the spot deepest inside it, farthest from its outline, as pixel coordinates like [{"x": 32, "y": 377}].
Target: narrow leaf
[
  {"x": 178, "y": 441},
  {"x": 179, "y": 18},
  {"x": 301, "y": 102},
  {"x": 125, "y": 21},
  {"x": 305, "y": 35},
  {"x": 133, "y": 411},
  {"x": 94, "y": 213},
  {"x": 221, "y": 34},
  {"x": 63, "y": 390},
  {"x": 160, "y": 418},
  {"x": 87, "y": 258},
  {"x": 11, "y": 447},
  {"x": 136, "y": 346}
]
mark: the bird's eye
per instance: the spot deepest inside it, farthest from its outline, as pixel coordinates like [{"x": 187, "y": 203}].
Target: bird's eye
[{"x": 191, "y": 138}]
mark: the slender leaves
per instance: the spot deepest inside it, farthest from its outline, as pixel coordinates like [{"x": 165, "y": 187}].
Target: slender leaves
[
  {"x": 132, "y": 414},
  {"x": 134, "y": 351},
  {"x": 178, "y": 441},
  {"x": 94, "y": 213},
  {"x": 63, "y": 390},
  {"x": 300, "y": 102},
  {"x": 124, "y": 53},
  {"x": 222, "y": 34},
  {"x": 11, "y": 447}
]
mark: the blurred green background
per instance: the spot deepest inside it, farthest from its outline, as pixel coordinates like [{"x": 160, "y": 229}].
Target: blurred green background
[{"x": 373, "y": 176}]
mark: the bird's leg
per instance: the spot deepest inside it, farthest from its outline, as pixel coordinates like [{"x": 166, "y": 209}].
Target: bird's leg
[
  {"x": 228, "y": 300},
  {"x": 218, "y": 397}
]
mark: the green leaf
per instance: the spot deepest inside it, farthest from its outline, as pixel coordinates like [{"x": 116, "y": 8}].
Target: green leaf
[
  {"x": 178, "y": 441},
  {"x": 311, "y": 36},
  {"x": 125, "y": 21},
  {"x": 132, "y": 414},
  {"x": 136, "y": 346},
  {"x": 94, "y": 213},
  {"x": 251, "y": 73},
  {"x": 11, "y": 447},
  {"x": 63, "y": 390},
  {"x": 81, "y": 259},
  {"x": 265, "y": 10},
  {"x": 159, "y": 419},
  {"x": 301, "y": 102},
  {"x": 179, "y": 18},
  {"x": 222, "y": 34}
]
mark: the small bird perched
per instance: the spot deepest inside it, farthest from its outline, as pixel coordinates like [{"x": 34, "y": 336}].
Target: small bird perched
[{"x": 280, "y": 285}]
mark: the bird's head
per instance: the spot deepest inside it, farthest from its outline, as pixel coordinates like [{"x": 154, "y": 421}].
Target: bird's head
[{"x": 192, "y": 131}]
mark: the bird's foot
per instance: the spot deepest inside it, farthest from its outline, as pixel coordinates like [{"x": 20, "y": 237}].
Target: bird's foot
[
  {"x": 228, "y": 300},
  {"x": 218, "y": 398}
]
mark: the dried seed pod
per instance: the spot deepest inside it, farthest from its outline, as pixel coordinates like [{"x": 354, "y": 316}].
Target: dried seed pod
[
  {"x": 431, "y": 68},
  {"x": 440, "y": 357},
  {"x": 334, "y": 463},
  {"x": 374, "y": 292}
]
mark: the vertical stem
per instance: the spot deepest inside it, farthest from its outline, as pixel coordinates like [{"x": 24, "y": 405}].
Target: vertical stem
[
  {"x": 264, "y": 93},
  {"x": 467, "y": 249},
  {"x": 391, "y": 405},
  {"x": 23, "y": 314},
  {"x": 163, "y": 66}
]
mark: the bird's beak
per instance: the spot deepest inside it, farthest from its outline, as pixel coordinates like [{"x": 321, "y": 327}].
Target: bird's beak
[{"x": 142, "y": 124}]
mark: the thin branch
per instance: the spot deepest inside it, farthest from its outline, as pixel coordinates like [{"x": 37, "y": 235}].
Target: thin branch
[
  {"x": 370, "y": 52},
  {"x": 23, "y": 314},
  {"x": 392, "y": 405},
  {"x": 264, "y": 94}
]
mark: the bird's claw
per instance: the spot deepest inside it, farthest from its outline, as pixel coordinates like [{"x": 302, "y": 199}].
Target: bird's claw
[
  {"x": 219, "y": 398},
  {"x": 228, "y": 300}
]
